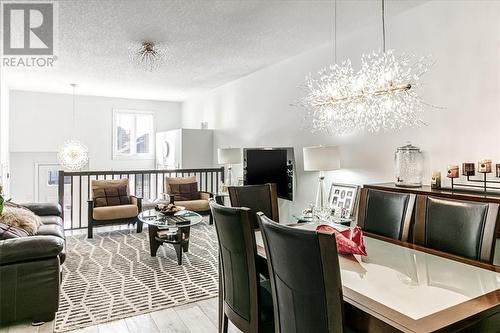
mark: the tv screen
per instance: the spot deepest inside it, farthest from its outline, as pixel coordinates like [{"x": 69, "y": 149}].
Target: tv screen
[{"x": 270, "y": 165}]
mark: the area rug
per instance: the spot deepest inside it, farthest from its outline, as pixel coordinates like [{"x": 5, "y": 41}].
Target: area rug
[{"x": 113, "y": 276}]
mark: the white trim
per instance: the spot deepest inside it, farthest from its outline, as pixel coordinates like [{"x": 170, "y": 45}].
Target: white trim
[{"x": 132, "y": 156}]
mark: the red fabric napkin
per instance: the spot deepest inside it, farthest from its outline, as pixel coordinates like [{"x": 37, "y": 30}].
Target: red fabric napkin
[{"x": 349, "y": 241}]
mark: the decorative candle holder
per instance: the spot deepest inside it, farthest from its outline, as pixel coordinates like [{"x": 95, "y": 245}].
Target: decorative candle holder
[
  {"x": 468, "y": 169},
  {"x": 484, "y": 166},
  {"x": 483, "y": 184},
  {"x": 436, "y": 180},
  {"x": 452, "y": 171}
]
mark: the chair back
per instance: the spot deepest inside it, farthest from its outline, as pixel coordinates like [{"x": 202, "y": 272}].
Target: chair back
[
  {"x": 102, "y": 184},
  {"x": 259, "y": 198},
  {"x": 305, "y": 278},
  {"x": 463, "y": 228},
  {"x": 237, "y": 251},
  {"x": 386, "y": 213}
]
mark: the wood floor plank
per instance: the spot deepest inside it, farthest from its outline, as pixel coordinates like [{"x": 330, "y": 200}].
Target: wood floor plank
[
  {"x": 211, "y": 308},
  {"x": 24, "y": 327},
  {"x": 118, "y": 326},
  {"x": 141, "y": 324},
  {"x": 195, "y": 319},
  {"x": 168, "y": 321},
  {"x": 46, "y": 328},
  {"x": 90, "y": 329}
]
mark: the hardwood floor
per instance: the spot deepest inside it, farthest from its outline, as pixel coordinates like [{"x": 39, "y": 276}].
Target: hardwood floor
[{"x": 198, "y": 317}]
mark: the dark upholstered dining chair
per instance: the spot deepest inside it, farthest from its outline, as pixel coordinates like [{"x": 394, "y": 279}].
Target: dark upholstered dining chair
[
  {"x": 305, "y": 278},
  {"x": 259, "y": 198},
  {"x": 462, "y": 228},
  {"x": 386, "y": 213},
  {"x": 243, "y": 298}
]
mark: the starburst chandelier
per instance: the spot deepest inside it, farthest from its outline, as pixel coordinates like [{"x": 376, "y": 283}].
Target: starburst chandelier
[
  {"x": 382, "y": 95},
  {"x": 73, "y": 155},
  {"x": 148, "y": 55}
]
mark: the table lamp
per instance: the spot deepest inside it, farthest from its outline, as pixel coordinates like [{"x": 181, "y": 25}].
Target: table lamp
[
  {"x": 228, "y": 157},
  {"x": 321, "y": 158}
]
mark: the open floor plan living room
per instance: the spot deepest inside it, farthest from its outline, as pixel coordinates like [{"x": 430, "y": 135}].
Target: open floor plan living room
[{"x": 249, "y": 166}]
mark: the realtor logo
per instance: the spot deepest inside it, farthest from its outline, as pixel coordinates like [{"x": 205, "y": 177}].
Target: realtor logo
[{"x": 28, "y": 29}]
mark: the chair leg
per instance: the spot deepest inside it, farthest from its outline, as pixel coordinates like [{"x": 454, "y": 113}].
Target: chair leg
[{"x": 90, "y": 230}]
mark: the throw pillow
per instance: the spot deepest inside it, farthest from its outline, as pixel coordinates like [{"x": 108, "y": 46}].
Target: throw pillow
[
  {"x": 185, "y": 192},
  {"x": 21, "y": 218},
  {"x": 8, "y": 231},
  {"x": 111, "y": 196}
]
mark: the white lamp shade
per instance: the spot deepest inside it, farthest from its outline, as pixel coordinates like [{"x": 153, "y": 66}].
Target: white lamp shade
[
  {"x": 229, "y": 155},
  {"x": 321, "y": 158}
]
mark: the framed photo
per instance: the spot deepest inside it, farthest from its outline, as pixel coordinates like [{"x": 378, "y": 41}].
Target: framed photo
[{"x": 343, "y": 198}]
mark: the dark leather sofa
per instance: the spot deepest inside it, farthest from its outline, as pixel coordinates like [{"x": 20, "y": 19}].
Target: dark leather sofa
[{"x": 30, "y": 269}]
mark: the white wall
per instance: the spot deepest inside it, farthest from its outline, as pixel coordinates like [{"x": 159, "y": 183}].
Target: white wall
[
  {"x": 463, "y": 38},
  {"x": 4, "y": 135},
  {"x": 41, "y": 122}
]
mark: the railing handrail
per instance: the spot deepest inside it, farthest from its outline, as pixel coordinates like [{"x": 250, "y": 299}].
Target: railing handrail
[{"x": 131, "y": 172}]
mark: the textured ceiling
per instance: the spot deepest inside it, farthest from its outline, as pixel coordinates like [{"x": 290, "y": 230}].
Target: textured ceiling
[{"x": 209, "y": 42}]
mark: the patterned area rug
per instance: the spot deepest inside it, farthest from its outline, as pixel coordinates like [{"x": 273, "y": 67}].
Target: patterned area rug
[{"x": 113, "y": 276}]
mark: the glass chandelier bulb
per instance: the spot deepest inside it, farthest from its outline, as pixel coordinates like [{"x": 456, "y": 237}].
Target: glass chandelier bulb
[{"x": 73, "y": 155}]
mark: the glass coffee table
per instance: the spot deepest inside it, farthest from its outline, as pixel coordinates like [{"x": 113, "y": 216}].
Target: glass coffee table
[{"x": 171, "y": 233}]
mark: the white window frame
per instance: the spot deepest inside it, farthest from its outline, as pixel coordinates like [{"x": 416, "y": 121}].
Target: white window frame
[{"x": 133, "y": 154}]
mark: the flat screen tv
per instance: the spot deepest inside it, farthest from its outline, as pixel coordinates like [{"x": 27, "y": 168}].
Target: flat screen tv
[{"x": 270, "y": 165}]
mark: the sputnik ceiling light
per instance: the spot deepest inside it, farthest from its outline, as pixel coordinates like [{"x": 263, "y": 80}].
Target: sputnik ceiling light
[
  {"x": 148, "y": 54},
  {"x": 73, "y": 155},
  {"x": 380, "y": 96}
]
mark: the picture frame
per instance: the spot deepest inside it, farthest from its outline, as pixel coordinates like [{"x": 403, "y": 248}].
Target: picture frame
[{"x": 344, "y": 199}]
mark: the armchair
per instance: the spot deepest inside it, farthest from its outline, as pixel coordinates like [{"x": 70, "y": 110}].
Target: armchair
[
  {"x": 185, "y": 192},
  {"x": 111, "y": 203}
]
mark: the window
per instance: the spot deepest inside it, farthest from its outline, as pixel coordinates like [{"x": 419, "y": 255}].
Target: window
[{"x": 133, "y": 134}]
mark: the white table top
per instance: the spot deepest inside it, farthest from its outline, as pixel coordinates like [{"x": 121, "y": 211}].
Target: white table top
[{"x": 413, "y": 283}]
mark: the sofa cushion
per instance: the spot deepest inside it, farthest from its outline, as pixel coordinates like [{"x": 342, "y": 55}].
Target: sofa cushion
[
  {"x": 111, "y": 196},
  {"x": 115, "y": 212},
  {"x": 51, "y": 230},
  {"x": 194, "y": 205},
  {"x": 51, "y": 220},
  {"x": 187, "y": 191}
]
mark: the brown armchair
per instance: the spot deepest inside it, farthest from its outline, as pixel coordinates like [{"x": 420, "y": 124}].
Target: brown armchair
[
  {"x": 111, "y": 203},
  {"x": 185, "y": 192}
]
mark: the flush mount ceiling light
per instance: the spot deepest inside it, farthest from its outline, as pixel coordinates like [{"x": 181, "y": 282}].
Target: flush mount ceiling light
[
  {"x": 382, "y": 95},
  {"x": 73, "y": 155},
  {"x": 148, "y": 55}
]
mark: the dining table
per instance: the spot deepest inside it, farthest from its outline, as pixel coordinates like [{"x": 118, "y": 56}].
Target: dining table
[{"x": 402, "y": 287}]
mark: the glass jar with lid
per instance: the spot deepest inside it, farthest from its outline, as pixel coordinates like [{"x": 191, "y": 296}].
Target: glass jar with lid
[{"x": 409, "y": 164}]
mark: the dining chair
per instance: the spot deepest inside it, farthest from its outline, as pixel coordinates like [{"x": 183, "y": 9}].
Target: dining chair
[
  {"x": 243, "y": 297},
  {"x": 386, "y": 213},
  {"x": 305, "y": 278},
  {"x": 462, "y": 228},
  {"x": 259, "y": 198}
]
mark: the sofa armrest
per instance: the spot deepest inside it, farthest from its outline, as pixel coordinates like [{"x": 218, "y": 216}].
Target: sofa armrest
[
  {"x": 30, "y": 248},
  {"x": 206, "y": 195},
  {"x": 44, "y": 209}
]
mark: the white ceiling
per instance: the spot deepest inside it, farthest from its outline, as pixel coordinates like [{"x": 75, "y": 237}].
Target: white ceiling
[{"x": 209, "y": 42}]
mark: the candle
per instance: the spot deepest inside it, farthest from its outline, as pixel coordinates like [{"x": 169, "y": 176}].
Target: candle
[
  {"x": 484, "y": 166},
  {"x": 468, "y": 169},
  {"x": 436, "y": 180},
  {"x": 452, "y": 171},
  {"x": 497, "y": 167}
]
